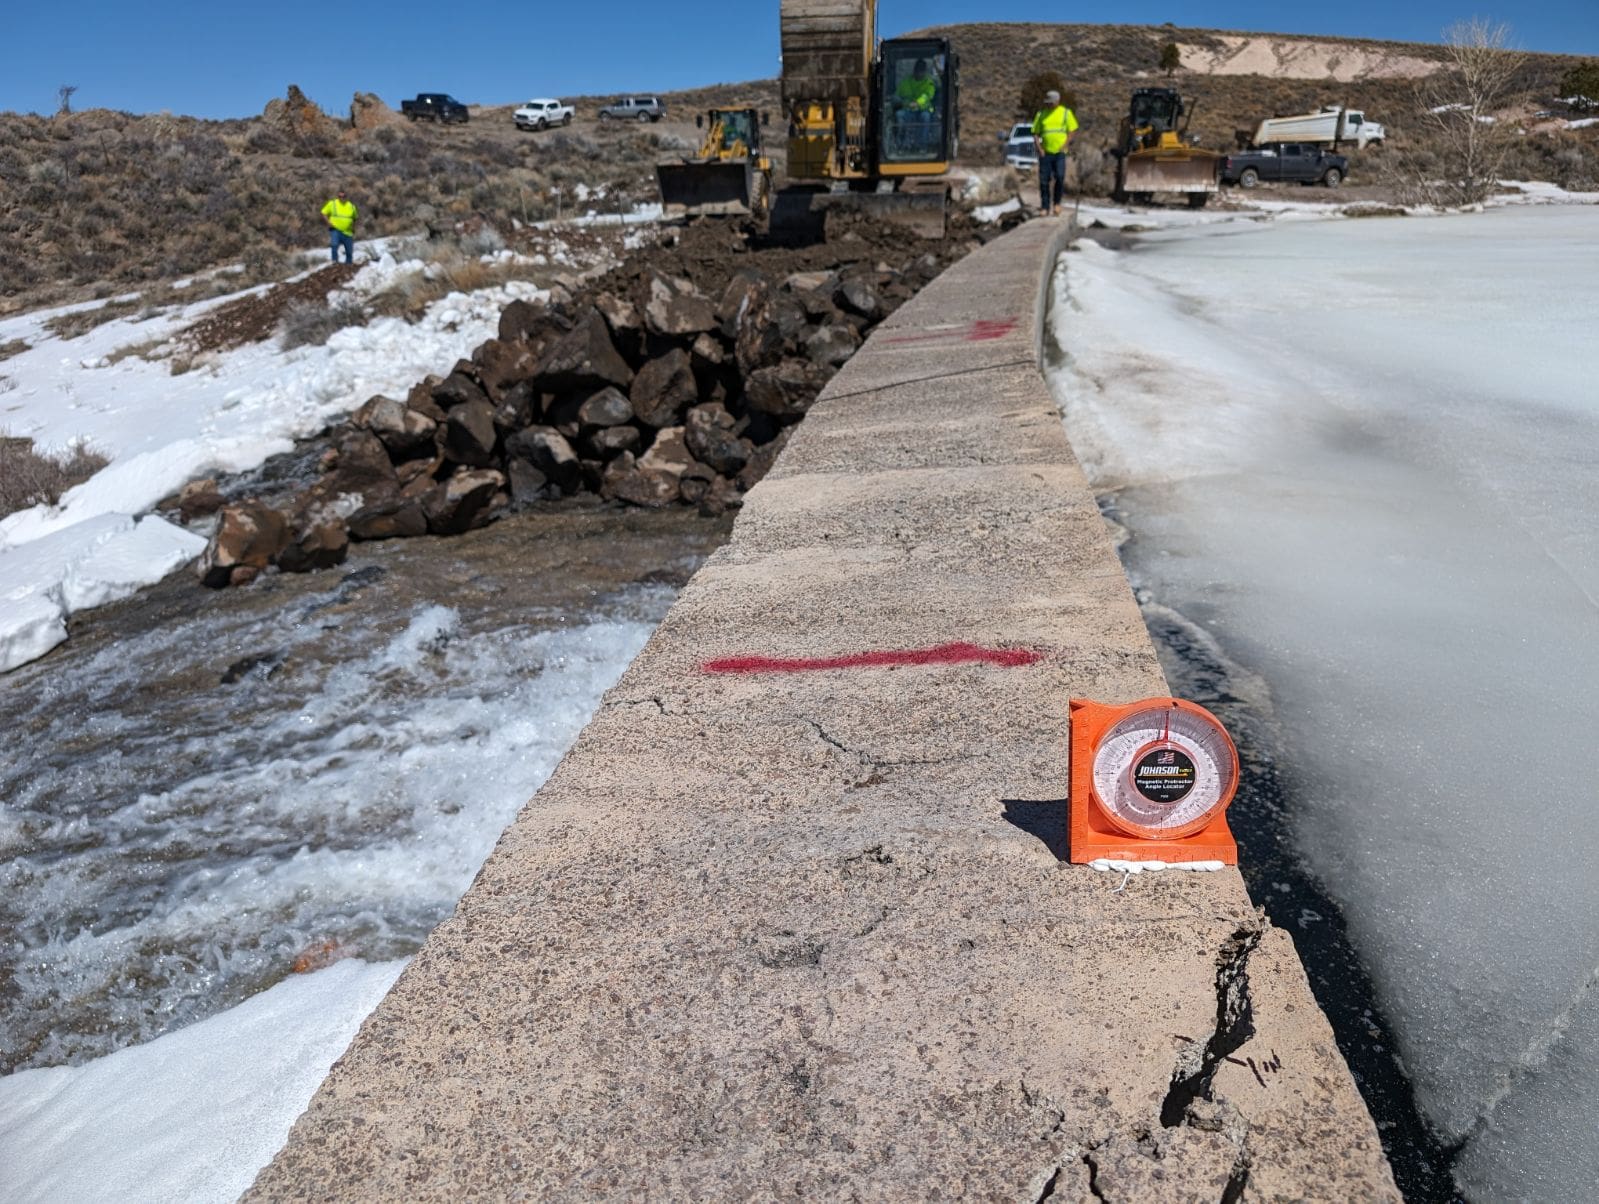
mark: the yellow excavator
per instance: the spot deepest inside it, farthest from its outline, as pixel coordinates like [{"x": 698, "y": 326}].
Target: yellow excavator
[
  {"x": 1154, "y": 153},
  {"x": 728, "y": 176},
  {"x": 871, "y": 126}
]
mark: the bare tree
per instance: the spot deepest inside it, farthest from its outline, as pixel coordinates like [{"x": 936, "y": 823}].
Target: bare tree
[
  {"x": 1464, "y": 106},
  {"x": 64, "y": 95}
]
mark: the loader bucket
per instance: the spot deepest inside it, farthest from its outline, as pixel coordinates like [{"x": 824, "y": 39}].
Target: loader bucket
[
  {"x": 1169, "y": 173},
  {"x": 709, "y": 189}
]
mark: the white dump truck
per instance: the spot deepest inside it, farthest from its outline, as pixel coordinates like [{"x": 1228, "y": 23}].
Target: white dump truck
[{"x": 1333, "y": 125}]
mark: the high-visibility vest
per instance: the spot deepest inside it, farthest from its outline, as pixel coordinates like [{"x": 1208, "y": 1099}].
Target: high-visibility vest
[
  {"x": 1054, "y": 128},
  {"x": 917, "y": 93},
  {"x": 340, "y": 215}
]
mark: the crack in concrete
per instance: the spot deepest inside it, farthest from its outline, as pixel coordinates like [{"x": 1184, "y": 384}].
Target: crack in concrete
[{"x": 1235, "y": 1025}]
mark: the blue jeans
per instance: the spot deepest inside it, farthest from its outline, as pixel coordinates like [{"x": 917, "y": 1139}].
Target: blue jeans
[
  {"x": 1051, "y": 166},
  {"x": 339, "y": 239}
]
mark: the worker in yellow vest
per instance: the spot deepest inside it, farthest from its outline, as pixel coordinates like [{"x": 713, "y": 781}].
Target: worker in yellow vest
[
  {"x": 1052, "y": 129},
  {"x": 340, "y": 215}
]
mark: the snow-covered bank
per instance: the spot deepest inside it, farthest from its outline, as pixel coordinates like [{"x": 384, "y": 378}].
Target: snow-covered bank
[
  {"x": 160, "y": 431},
  {"x": 192, "y": 1116},
  {"x": 1358, "y": 455}
]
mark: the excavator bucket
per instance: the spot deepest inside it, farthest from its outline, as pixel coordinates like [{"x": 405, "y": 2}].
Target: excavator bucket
[
  {"x": 733, "y": 188},
  {"x": 811, "y": 216},
  {"x": 1168, "y": 171}
]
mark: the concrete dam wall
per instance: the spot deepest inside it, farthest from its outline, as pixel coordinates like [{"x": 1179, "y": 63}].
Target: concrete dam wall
[{"x": 792, "y": 918}]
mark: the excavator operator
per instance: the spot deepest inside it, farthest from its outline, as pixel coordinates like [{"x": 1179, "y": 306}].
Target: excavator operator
[{"x": 914, "y": 99}]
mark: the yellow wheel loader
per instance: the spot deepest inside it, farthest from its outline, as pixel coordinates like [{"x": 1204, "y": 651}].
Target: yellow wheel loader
[
  {"x": 727, "y": 177},
  {"x": 1154, "y": 153}
]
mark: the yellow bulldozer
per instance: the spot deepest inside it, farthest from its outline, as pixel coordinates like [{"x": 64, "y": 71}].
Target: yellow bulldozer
[
  {"x": 1154, "y": 153},
  {"x": 728, "y": 176}
]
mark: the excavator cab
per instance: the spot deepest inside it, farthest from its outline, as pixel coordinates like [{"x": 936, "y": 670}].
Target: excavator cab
[{"x": 916, "y": 118}]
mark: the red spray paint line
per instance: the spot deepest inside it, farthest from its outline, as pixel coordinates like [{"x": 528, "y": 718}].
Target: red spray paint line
[
  {"x": 981, "y": 331},
  {"x": 944, "y": 654}
]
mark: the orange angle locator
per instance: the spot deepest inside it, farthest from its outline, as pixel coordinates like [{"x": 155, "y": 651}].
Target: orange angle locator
[{"x": 1150, "y": 781}]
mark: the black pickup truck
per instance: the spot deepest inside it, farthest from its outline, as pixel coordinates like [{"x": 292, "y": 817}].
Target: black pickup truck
[
  {"x": 434, "y": 106},
  {"x": 1301, "y": 162}
]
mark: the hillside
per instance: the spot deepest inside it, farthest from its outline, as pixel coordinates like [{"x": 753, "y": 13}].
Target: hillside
[
  {"x": 99, "y": 203},
  {"x": 1236, "y": 78}
]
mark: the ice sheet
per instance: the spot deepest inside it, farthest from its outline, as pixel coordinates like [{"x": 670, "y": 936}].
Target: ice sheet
[{"x": 1359, "y": 455}]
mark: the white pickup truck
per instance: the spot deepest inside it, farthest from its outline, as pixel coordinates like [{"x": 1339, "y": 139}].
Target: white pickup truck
[{"x": 541, "y": 114}]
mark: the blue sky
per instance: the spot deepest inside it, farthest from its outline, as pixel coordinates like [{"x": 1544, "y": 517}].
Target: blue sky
[{"x": 227, "y": 60}]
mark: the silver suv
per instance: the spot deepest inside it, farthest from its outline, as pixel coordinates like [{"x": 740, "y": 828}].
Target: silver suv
[{"x": 635, "y": 108}]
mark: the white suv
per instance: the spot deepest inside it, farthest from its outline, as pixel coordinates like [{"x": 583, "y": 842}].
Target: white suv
[{"x": 541, "y": 114}]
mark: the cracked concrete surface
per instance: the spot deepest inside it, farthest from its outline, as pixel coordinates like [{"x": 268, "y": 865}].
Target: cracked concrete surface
[{"x": 809, "y": 934}]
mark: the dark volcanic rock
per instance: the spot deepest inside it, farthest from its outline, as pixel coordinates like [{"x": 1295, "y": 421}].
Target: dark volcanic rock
[
  {"x": 547, "y": 450},
  {"x": 248, "y": 538},
  {"x": 585, "y": 358},
  {"x": 608, "y": 407},
  {"x": 392, "y": 518},
  {"x": 404, "y": 432},
  {"x": 786, "y": 390},
  {"x": 676, "y": 307},
  {"x": 830, "y": 346},
  {"x": 711, "y": 438},
  {"x": 458, "y": 389},
  {"x": 625, "y": 481},
  {"x": 610, "y": 440},
  {"x": 503, "y": 364},
  {"x": 663, "y": 387},
  {"x": 527, "y": 483},
  {"x": 318, "y": 547},
  {"x": 470, "y": 434},
  {"x": 462, "y": 502}
]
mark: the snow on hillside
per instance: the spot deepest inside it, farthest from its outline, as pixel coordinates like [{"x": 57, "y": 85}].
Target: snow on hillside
[{"x": 160, "y": 431}]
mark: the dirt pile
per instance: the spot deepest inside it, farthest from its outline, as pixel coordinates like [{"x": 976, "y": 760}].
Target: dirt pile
[
  {"x": 673, "y": 380},
  {"x": 255, "y": 318}
]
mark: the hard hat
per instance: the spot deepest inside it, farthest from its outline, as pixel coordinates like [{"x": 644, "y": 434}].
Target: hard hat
[{"x": 1052, "y": 95}]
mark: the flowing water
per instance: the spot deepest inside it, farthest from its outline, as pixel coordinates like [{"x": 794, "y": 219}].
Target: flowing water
[{"x": 206, "y": 792}]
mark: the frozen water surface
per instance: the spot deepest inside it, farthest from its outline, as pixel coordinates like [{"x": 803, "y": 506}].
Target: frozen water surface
[{"x": 1359, "y": 455}]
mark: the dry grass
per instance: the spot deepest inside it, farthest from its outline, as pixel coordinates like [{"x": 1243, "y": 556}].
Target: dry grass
[
  {"x": 310, "y": 325},
  {"x": 14, "y": 347},
  {"x": 28, "y": 478}
]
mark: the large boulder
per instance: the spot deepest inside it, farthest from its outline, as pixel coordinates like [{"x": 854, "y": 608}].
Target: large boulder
[
  {"x": 584, "y": 358},
  {"x": 320, "y": 545},
  {"x": 624, "y": 481},
  {"x": 462, "y": 502},
  {"x": 470, "y": 434},
  {"x": 404, "y": 432},
  {"x": 458, "y": 389},
  {"x": 609, "y": 441},
  {"x": 608, "y": 407},
  {"x": 663, "y": 387},
  {"x": 831, "y": 346},
  {"x": 857, "y": 295},
  {"x": 248, "y": 538},
  {"x": 502, "y": 364},
  {"x": 397, "y": 517},
  {"x": 359, "y": 467},
  {"x": 711, "y": 436},
  {"x": 785, "y": 390},
  {"x": 675, "y": 307},
  {"x": 547, "y": 450},
  {"x": 296, "y": 117}
]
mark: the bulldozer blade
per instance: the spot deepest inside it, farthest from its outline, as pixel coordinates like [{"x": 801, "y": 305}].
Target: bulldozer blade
[
  {"x": 1178, "y": 173},
  {"x": 920, "y": 212},
  {"x": 708, "y": 189}
]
